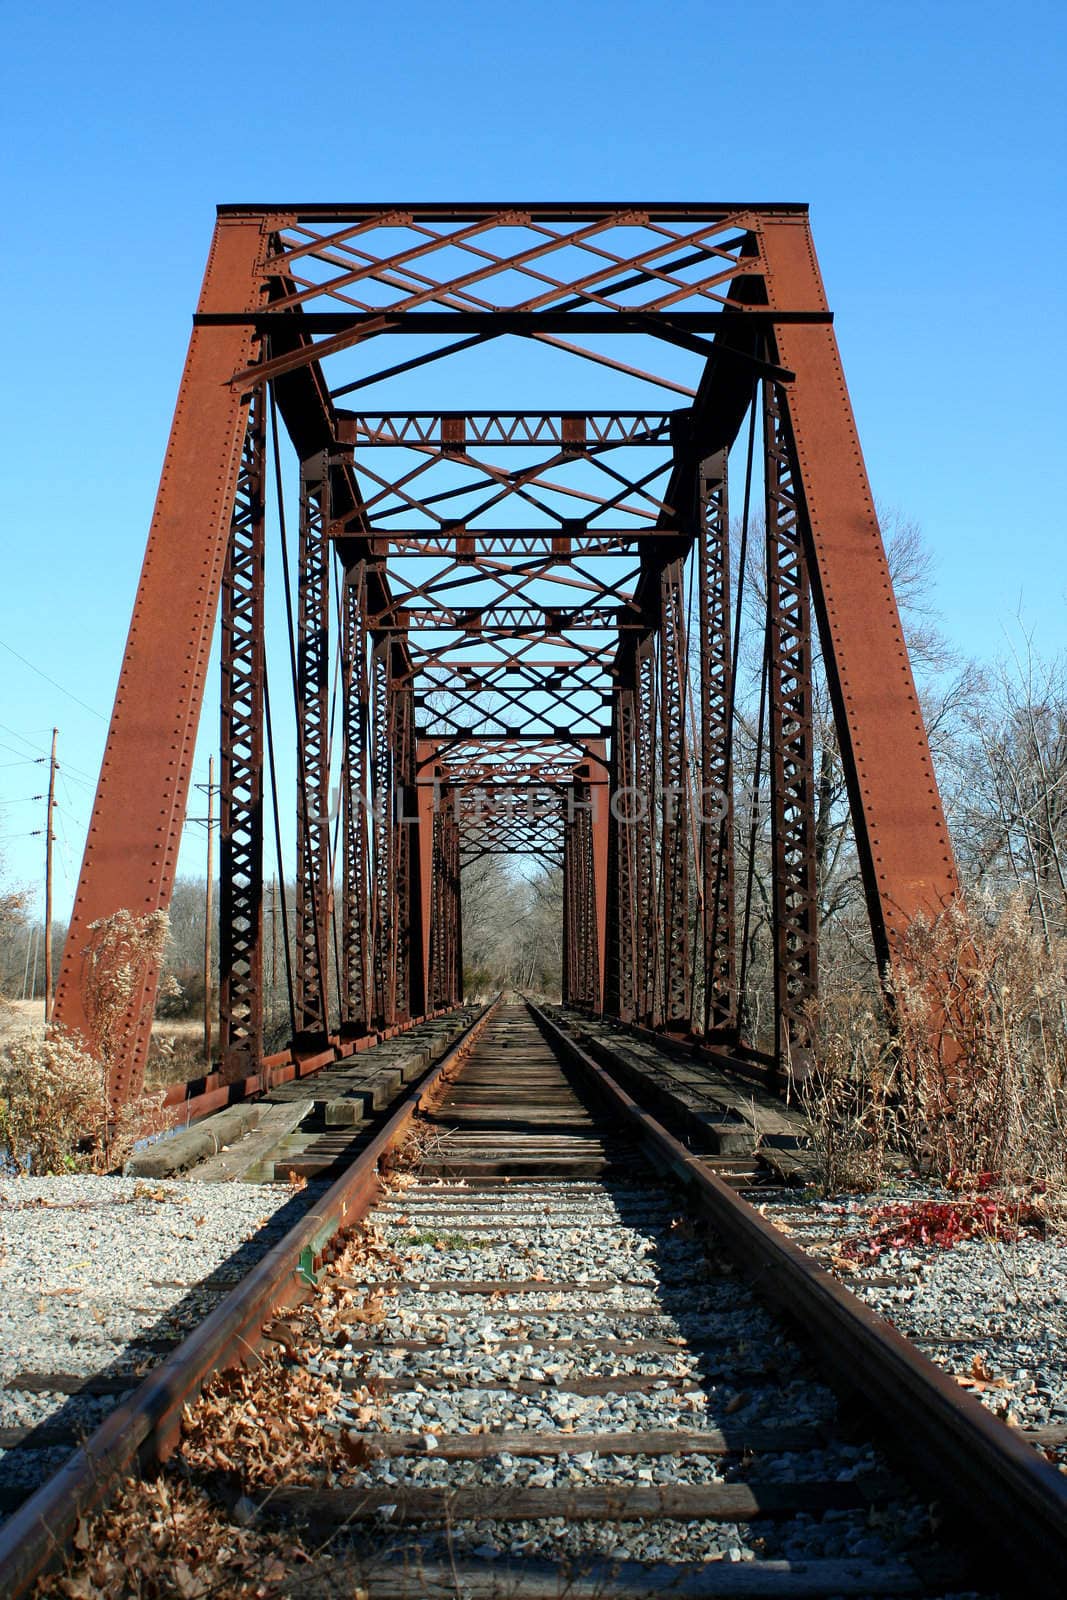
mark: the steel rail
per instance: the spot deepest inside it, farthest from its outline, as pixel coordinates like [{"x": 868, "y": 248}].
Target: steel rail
[
  {"x": 1012, "y": 1504},
  {"x": 146, "y": 1427}
]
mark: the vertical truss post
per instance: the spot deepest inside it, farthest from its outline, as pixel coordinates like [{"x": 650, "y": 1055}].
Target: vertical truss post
[
  {"x": 444, "y": 980},
  {"x": 131, "y": 851},
  {"x": 428, "y": 895},
  {"x": 674, "y": 778},
  {"x": 568, "y": 979},
  {"x": 437, "y": 981},
  {"x": 584, "y": 924},
  {"x": 795, "y": 901},
  {"x": 406, "y": 887},
  {"x": 902, "y": 841},
  {"x": 620, "y": 972},
  {"x": 585, "y": 888},
  {"x": 597, "y": 788},
  {"x": 384, "y": 917},
  {"x": 241, "y": 771},
  {"x": 356, "y": 1002},
  {"x": 455, "y": 905},
  {"x": 313, "y": 750},
  {"x": 716, "y": 750},
  {"x": 646, "y": 922}
]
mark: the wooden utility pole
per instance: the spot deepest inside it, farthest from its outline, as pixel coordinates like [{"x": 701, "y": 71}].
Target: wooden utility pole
[
  {"x": 49, "y": 837},
  {"x": 208, "y": 908}
]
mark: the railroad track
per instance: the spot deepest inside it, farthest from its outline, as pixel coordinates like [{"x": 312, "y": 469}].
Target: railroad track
[{"x": 550, "y": 1377}]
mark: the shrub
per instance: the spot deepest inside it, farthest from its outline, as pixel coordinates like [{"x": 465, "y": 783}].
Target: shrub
[
  {"x": 57, "y": 1111},
  {"x": 53, "y": 1101},
  {"x": 846, "y": 1090},
  {"x": 121, "y": 951},
  {"x": 980, "y": 1002},
  {"x": 965, "y": 1073}
]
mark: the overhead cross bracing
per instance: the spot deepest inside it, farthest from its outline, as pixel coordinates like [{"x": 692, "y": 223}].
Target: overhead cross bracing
[{"x": 515, "y": 628}]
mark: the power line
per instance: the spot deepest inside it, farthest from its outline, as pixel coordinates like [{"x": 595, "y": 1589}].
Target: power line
[
  {"x": 70, "y": 696},
  {"x": 86, "y": 777},
  {"x": 15, "y": 752}
]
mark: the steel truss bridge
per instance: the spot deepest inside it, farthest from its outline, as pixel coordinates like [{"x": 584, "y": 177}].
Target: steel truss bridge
[{"x": 512, "y": 631}]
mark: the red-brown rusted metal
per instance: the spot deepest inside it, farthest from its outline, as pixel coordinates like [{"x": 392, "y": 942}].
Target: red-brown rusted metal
[
  {"x": 716, "y": 751},
  {"x": 536, "y": 643},
  {"x": 792, "y": 756},
  {"x": 901, "y": 834},
  {"x": 313, "y": 881},
  {"x": 241, "y": 768},
  {"x": 356, "y": 934},
  {"x": 132, "y": 848}
]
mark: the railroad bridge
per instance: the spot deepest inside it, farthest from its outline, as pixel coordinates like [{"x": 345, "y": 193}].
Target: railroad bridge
[{"x": 512, "y": 627}]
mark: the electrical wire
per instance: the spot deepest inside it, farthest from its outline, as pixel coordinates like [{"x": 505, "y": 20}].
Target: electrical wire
[{"x": 70, "y": 696}]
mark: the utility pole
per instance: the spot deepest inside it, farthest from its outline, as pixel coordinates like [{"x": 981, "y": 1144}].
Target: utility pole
[
  {"x": 49, "y": 837},
  {"x": 208, "y": 909}
]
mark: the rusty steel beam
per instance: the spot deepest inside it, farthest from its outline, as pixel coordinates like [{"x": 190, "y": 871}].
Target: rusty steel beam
[
  {"x": 507, "y": 213},
  {"x": 356, "y": 934},
  {"x": 313, "y": 885},
  {"x": 406, "y": 886},
  {"x": 241, "y": 767},
  {"x": 901, "y": 835},
  {"x": 791, "y": 743},
  {"x": 621, "y": 965},
  {"x": 649, "y": 895},
  {"x": 716, "y": 750},
  {"x": 587, "y": 952},
  {"x": 132, "y": 847},
  {"x": 383, "y": 908},
  {"x": 675, "y": 1009},
  {"x": 454, "y": 430},
  {"x": 647, "y": 926}
]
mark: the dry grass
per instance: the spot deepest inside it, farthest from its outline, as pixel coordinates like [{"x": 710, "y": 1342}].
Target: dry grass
[
  {"x": 846, "y": 1091},
  {"x": 121, "y": 952},
  {"x": 58, "y": 1108},
  {"x": 981, "y": 1003},
  {"x": 964, "y": 1075},
  {"x": 55, "y": 1114},
  {"x": 176, "y": 1053}
]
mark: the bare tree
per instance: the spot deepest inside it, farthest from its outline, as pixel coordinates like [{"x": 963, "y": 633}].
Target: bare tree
[{"x": 1009, "y": 780}]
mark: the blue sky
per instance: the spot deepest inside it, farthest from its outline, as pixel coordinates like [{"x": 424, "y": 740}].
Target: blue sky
[{"x": 928, "y": 138}]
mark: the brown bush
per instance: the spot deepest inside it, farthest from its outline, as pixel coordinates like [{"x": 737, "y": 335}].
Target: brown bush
[
  {"x": 56, "y": 1108},
  {"x": 980, "y": 1003},
  {"x": 846, "y": 1093},
  {"x": 121, "y": 951},
  {"x": 52, "y": 1098},
  {"x": 965, "y": 1073}
]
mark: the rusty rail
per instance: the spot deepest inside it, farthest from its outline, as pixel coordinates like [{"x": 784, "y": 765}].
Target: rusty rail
[
  {"x": 145, "y": 1428},
  {"x": 1013, "y": 1504}
]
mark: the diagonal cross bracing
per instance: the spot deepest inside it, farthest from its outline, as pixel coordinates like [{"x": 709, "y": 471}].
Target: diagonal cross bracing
[{"x": 515, "y": 629}]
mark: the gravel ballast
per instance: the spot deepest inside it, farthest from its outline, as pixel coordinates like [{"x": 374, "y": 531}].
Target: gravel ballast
[
  {"x": 990, "y": 1311},
  {"x": 99, "y": 1277},
  {"x": 590, "y": 1263}
]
